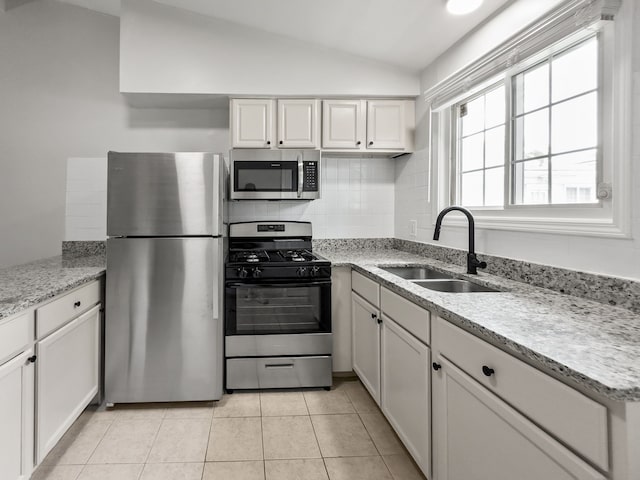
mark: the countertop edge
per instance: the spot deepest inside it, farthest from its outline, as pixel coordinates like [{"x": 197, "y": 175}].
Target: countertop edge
[{"x": 532, "y": 357}]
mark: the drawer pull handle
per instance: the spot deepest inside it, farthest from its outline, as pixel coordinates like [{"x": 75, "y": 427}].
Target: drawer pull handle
[
  {"x": 436, "y": 366},
  {"x": 77, "y": 304},
  {"x": 32, "y": 359},
  {"x": 488, "y": 371},
  {"x": 278, "y": 365}
]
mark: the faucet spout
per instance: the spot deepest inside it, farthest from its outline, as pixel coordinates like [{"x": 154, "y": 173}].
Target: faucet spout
[{"x": 472, "y": 261}]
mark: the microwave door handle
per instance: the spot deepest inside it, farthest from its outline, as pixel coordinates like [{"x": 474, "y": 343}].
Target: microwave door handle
[{"x": 300, "y": 175}]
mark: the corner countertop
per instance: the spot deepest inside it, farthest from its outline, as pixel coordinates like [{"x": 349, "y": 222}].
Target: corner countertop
[
  {"x": 594, "y": 345},
  {"x": 26, "y": 285}
]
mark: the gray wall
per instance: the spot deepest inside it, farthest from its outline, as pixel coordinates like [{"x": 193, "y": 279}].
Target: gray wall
[{"x": 59, "y": 98}]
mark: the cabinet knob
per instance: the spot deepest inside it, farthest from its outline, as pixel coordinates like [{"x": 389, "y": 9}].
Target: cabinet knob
[
  {"x": 436, "y": 366},
  {"x": 379, "y": 320},
  {"x": 32, "y": 359},
  {"x": 77, "y": 304},
  {"x": 370, "y": 143},
  {"x": 374, "y": 316},
  {"x": 488, "y": 371},
  {"x": 280, "y": 142},
  {"x": 268, "y": 143},
  {"x": 358, "y": 142}
]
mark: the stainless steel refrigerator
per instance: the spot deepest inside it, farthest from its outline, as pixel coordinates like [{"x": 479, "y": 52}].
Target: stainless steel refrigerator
[{"x": 164, "y": 316}]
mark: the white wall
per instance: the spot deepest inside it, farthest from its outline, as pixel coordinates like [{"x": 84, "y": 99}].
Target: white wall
[
  {"x": 59, "y": 98},
  {"x": 599, "y": 255},
  {"x": 170, "y": 50},
  {"x": 357, "y": 200}
]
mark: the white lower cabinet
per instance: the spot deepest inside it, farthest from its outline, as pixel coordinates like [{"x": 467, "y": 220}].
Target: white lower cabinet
[
  {"x": 67, "y": 377},
  {"x": 406, "y": 391},
  {"x": 477, "y": 436},
  {"x": 16, "y": 417},
  {"x": 366, "y": 344}
]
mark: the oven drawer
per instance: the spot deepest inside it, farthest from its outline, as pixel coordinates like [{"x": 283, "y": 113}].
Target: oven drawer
[
  {"x": 278, "y": 372},
  {"x": 274, "y": 345}
]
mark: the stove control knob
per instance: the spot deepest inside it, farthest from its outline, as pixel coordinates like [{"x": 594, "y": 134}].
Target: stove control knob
[
  {"x": 242, "y": 272},
  {"x": 257, "y": 273},
  {"x": 302, "y": 271},
  {"x": 314, "y": 271}
]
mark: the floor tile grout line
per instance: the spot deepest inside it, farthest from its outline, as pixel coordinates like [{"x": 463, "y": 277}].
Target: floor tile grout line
[
  {"x": 98, "y": 444},
  {"x": 154, "y": 440},
  {"x": 206, "y": 451}
]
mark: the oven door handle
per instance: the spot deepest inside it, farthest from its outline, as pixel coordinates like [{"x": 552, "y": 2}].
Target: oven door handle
[
  {"x": 276, "y": 285},
  {"x": 300, "y": 175}
]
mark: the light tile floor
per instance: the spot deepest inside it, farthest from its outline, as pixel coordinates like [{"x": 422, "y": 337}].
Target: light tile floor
[{"x": 279, "y": 435}]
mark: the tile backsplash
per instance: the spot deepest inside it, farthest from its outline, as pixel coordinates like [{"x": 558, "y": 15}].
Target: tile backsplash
[{"x": 357, "y": 200}]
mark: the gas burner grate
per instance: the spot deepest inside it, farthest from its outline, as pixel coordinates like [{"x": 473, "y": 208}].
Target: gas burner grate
[{"x": 251, "y": 256}]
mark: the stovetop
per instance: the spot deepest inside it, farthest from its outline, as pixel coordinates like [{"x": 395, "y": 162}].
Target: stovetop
[
  {"x": 273, "y": 250},
  {"x": 273, "y": 256}
]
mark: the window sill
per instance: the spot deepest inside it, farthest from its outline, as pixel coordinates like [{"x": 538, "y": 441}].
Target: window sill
[{"x": 558, "y": 226}]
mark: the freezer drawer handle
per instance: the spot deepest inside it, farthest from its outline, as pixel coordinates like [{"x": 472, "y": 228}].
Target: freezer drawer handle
[{"x": 278, "y": 365}]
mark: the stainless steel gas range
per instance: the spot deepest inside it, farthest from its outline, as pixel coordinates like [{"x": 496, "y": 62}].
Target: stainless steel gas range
[{"x": 278, "y": 308}]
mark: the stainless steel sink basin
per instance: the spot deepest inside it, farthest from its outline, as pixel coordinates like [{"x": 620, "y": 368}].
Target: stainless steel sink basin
[
  {"x": 453, "y": 286},
  {"x": 416, "y": 273}
]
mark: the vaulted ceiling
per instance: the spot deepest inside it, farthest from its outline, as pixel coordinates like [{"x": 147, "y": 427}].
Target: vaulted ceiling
[{"x": 406, "y": 33}]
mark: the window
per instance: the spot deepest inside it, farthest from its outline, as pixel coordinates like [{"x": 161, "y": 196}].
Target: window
[
  {"x": 481, "y": 147},
  {"x": 555, "y": 128},
  {"x": 536, "y": 134}
]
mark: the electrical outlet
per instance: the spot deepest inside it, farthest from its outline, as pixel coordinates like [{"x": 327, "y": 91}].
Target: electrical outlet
[{"x": 413, "y": 228}]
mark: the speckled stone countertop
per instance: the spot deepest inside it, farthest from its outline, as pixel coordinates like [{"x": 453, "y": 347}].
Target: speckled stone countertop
[
  {"x": 26, "y": 285},
  {"x": 594, "y": 345}
]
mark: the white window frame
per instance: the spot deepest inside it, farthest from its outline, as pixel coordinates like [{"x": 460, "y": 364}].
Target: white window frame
[{"x": 610, "y": 217}]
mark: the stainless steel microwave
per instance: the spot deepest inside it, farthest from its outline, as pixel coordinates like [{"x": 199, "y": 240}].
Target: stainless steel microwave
[{"x": 260, "y": 174}]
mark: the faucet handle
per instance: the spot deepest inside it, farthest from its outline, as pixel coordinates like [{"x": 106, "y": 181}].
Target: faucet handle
[{"x": 473, "y": 264}]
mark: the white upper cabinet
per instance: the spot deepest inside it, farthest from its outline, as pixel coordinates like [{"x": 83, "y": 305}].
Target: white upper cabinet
[
  {"x": 344, "y": 124},
  {"x": 386, "y": 125},
  {"x": 252, "y": 123},
  {"x": 298, "y": 123},
  {"x": 383, "y": 127}
]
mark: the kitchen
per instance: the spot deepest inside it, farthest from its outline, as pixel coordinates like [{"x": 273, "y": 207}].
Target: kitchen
[{"x": 63, "y": 71}]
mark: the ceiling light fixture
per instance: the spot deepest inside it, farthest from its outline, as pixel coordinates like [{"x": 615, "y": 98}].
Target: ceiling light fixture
[{"x": 460, "y": 7}]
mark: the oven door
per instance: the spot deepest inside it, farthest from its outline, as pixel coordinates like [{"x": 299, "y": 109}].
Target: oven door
[{"x": 278, "y": 308}]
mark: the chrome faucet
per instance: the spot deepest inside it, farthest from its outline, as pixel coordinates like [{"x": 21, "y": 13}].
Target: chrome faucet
[{"x": 472, "y": 261}]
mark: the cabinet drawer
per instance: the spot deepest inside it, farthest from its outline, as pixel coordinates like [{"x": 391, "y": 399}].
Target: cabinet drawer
[
  {"x": 15, "y": 334},
  {"x": 55, "y": 314},
  {"x": 577, "y": 420},
  {"x": 366, "y": 288},
  {"x": 406, "y": 314},
  {"x": 279, "y": 372}
]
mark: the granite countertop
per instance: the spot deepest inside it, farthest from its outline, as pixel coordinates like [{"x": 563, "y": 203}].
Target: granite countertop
[
  {"x": 592, "y": 344},
  {"x": 26, "y": 285}
]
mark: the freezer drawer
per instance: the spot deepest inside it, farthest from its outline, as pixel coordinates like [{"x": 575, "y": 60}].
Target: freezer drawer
[
  {"x": 278, "y": 372},
  {"x": 164, "y": 194},
  {"x": 163, "y": 325}
]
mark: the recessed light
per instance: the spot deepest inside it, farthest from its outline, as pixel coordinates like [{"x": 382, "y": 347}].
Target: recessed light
[{"x": 460, "y": 7}]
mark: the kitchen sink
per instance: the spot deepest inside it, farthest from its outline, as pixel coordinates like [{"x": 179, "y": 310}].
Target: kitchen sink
[
  {"x": 453, "y": 286},
  {"x": 416, "y": 273}
]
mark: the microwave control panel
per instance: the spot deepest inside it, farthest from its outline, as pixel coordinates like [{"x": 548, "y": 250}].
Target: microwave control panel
[{"x": 310, "y": 180}]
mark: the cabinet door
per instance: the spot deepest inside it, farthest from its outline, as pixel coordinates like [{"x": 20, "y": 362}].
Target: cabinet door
[
  {"x": 297, "y": 123},
  {"x": 16, "y": 418},
  {"x": 478, "y": 436},
  {"x": 366, "y": 344},
  {"x": 385, "y": 125},
  {"x": 343, "y": 124},
  {"x": 251, "y": 123},
  {"x": 406, "y": 395},
  {"x": 67, "y": 377}
]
